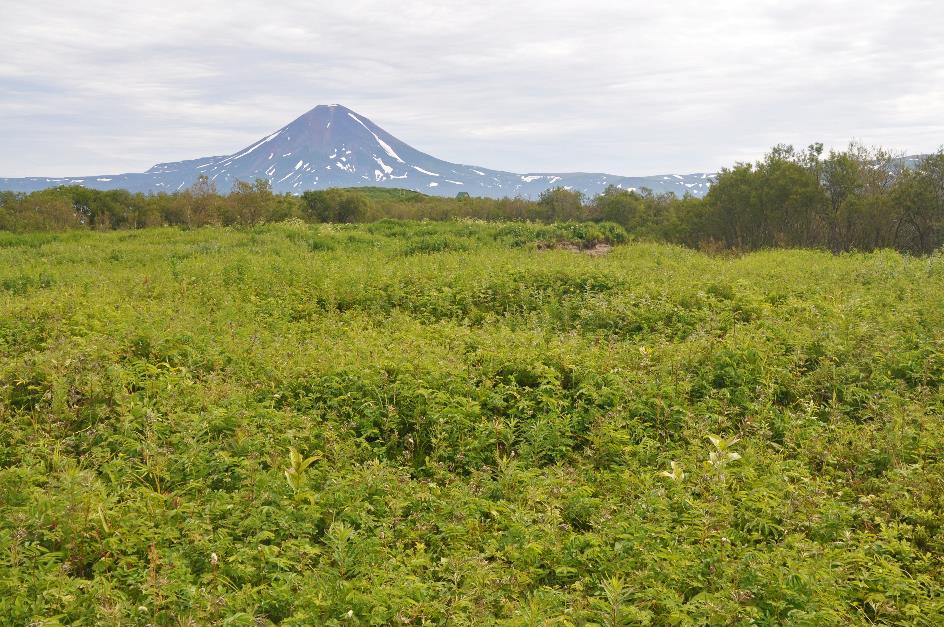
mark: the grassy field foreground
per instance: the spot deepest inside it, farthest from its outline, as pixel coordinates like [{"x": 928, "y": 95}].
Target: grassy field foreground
[{"x": 409, "y": 423}]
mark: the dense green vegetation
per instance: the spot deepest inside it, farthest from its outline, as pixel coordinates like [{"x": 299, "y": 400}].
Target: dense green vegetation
[
  {"x": 857, "y": 199},
  {"x": 406, "y": 423}
]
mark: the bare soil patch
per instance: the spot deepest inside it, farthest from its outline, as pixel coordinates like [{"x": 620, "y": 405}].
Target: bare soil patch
[{"x": 596, "y": 250}]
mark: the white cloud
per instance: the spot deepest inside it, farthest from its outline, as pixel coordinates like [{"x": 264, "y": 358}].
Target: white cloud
[{"x": 622, "y": 87}]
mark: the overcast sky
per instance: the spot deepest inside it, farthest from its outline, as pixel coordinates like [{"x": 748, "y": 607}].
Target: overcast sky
[{"x": 631, "y": 88}]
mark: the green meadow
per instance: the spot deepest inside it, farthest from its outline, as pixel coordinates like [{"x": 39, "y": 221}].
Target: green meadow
[{"x": 465, "y": 423}]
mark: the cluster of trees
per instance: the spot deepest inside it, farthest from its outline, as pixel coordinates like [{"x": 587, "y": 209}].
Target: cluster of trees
[
  {"x": 858, "y": 198},
  {"x": 852, "y": 199},
  {"x": 75, "y": 206}
]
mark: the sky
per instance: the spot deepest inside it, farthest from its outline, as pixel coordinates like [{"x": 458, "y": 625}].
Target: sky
[{"x": 623, "y": 87}]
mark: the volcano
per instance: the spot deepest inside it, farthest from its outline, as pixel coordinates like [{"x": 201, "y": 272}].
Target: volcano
[{"x": 333, "y": 146}]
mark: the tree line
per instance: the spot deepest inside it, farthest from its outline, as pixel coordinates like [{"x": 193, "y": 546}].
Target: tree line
[{"x": 856, "y": 198}]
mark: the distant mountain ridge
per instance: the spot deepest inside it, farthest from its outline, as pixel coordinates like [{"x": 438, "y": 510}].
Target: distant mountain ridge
[{"x": 332, "y": 146}]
